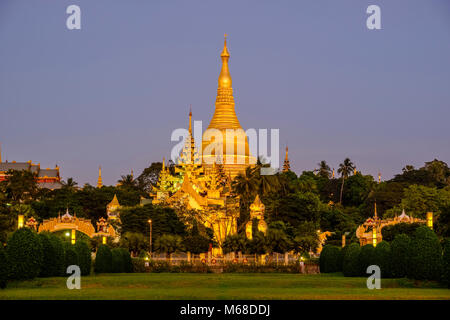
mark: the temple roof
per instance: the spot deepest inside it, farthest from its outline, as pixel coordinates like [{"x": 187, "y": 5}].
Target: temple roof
[
  {"x": 50, "y": 173},
  {"x": 114, "y": 201}
]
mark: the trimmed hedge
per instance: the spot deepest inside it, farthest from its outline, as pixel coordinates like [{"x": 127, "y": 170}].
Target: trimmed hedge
[
  {"x": 103, "y": 259},
  {"x": 4, "y": 267},
  {"x": 71, "y": 257},
  {"x": 118, "y": 265},
  {"x": 383, "y": 258},
  {"x": 84, "y": 257},
  {"x": 60, "y": 255},
  {"x": 446, "y": 263},
  {"x": 49, "y": 263},
  {"x": 351, "y": 265},
  {"x": 127, "y": 263},
  {"x": 24, "y": 253},
  {"x": 425, "y": 262},
  {"x": 329, "y": 260},
  {"x": 366, "y": 258},
  {"x": 400, "y": 255}
]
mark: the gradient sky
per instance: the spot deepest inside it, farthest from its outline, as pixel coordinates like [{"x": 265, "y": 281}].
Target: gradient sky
[{"x": 111, "y": 93}]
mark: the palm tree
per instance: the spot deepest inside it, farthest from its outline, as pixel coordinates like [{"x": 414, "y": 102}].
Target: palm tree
[
  {"x": 127, "y": 181},
  {"x": 324, "y": 170},
  {"x": 345, "y": 169},
  {"x": 70, "y": 184},
  {"x": 246, "y": 184}
]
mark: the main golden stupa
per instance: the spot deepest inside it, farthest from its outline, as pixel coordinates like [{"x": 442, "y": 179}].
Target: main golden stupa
[
  {"x": 225, "y": 141},
  {"x": 202, "y": 182}
]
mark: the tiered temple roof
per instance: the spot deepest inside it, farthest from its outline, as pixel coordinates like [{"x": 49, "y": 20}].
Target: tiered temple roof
[{"x": 46, "y": 178}]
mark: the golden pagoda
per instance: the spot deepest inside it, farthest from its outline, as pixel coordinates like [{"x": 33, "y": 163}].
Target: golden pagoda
[
  {"x": 225, "y": 129},
  {"x": 286, "y": 164},
  {"x": 99, "y": 181}
]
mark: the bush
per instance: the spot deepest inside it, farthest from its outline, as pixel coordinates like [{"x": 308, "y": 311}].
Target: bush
[
  {"x": 127, "y": 263},
  {"x": 389, "y": 232},
  {"x": 399, "y": 251},
  {"x": 329, "y": 259},
  {"x": 49, "y": 263},
  {"x": 446, "y": 263},
  {"x": 425, "y": 262},
  {"x": 71, "y": 257},
  {"x": 60, "y": 255},
  {"x": 4, "y": 267},
  {"x": 117, "y": 261},
  {"x": 383, "y": 258},
  {"x": 84, "y": 257},
  {"x": 366, "y": 258},
  {"x": 24, "y": 253},
  {"x": 351, "y": 261},
  {"x": 103, "y": 259}
]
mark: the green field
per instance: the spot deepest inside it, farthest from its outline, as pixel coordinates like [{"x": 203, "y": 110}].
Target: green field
[{"x": 222, "y": 286}]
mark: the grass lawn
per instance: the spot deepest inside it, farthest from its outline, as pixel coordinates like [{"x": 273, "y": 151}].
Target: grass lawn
[{"x": 222, "y": 286}]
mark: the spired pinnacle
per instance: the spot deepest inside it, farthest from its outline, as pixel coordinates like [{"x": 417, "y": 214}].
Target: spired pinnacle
[
  {"x": 286, "y": 164},
  {"x": 225, "y": 118},
  {"x": 99, "y": 181}
]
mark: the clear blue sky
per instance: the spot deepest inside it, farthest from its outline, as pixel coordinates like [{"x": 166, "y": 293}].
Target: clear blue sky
[{"x": 111, "y": 93}]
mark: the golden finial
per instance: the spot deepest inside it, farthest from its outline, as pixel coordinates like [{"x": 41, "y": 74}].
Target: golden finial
[
  {"x": 190, "y": 119},
  {"x": 99, "y": 181},
  {"x": 379, "y": 177},
  {"x": 163, "y": 164},
  {"x": 376, "y": 215},
  {"x": 286, "y": 165}
]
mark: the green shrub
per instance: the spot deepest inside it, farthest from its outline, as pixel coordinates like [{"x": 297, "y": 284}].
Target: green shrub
[
  {"x": 139, "y": 265},
  {"x": 4, "y": 267},
  {"x": 389, "y": 232},
  {"x": 117, "y": 261},
  {"x": 366, "y": 258},
  {"x": 351, "y": 261},
  {"x": 425, "y": 262},
  {"x": 329, "y": 259},
  {"x": 383, "y": 258},
  {"x": 49, "y": 265},
  {"x": 71, "y": 257},
  {"x": 103, "y": 259},
  {"x": 84, "y": 257},
  {"x": 24, "y": 253},
  {"x": 446, "y": 263},
  {"x": 399, "y": 250},
  {"x": 60, "y": 255},
  {"x": 341, "y": 257},
  {"x": 126, "y": 257}
]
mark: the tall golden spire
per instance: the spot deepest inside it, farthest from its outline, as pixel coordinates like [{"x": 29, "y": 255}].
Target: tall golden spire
[
  {"x": 99, "y": 181},
  {"x": 375, "y": 213},
  {"x": 190, "y": 120},
  {"x": 225, "y": 118},
  {"x": 224, "y": 115},
  {"x": 286, "y": 165}
]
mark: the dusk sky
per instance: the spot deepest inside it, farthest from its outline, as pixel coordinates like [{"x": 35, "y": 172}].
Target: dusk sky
[{"x": 111, "y": 93}]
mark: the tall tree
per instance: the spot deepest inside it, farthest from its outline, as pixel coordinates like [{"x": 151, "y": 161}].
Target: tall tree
[
  {"x": 324, "y": 170},
  {"x": 345, "y": 169}
]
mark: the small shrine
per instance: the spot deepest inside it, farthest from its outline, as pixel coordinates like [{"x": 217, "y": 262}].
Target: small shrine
[
  {"x": 257, "y": 209},
  {"x": 112, "y": 209}
]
